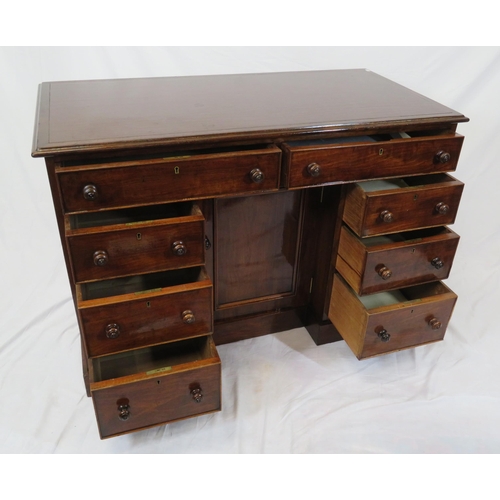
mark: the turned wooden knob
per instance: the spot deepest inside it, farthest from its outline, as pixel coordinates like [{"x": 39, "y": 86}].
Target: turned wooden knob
[
  {"x": 257, "y": 175},
  {"x": 112, "y": 331},
  {"x": 434, "y": 323},
  {"x": 442, "y": 157},
  {"x": 90, "y": 192},
  {"x": 442, "y": 208},
  {"x": 100, "y": 257},
  {"x": 188, "y": 317},
  {"x": 313, "y": 169},
  {"x": 384, "y": 272},
  {"x": 123, "y": 411},
  {"x": 179, "y": 248},
  {"x": 386, "y": 216},
  {"x": 383, "y": 335},
  {"x": 197, "y": 394},
  {"x": 437, "y": 263}
]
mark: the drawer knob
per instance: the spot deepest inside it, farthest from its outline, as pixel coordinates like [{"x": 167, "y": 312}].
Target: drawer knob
[
  {"x": 197, "y": 394},
  {"x": 434, "y": 323},
  {"x": 313, "y": 169},
  {"x": 112, "y": 331},
  {"x": 179, "y": 248},
  {"x": 188, "y": 317},
  {"x": 443, "y": 157},
  {"x": 383, "y": 271},
  {"x": 100, "y": 258},
  {"x": 437, "y": 263},
  {"x": 383, "y": 335},
  {"x": 90, "y": 192},
  {"x": 123, "y": 411},
  {"x": 442, "y": 208},
  {"x": 386, "y": 216},
  {"x": 257, "y": 175}
]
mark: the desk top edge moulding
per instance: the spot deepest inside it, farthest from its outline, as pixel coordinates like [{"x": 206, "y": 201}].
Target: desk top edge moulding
[
  {"x": 167, "y": 111},
  {"x": 197, "y": 211}
]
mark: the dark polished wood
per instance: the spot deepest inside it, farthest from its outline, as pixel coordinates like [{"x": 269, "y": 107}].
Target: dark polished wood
[
  {"x": 414, "y": 206},
  {"x": 155, "y": 385},
  {"x": 207, "y": 109},
  {"x": 196, "y": 211},
  {"x": 162, "y": 180},
  {"x": 344, "y": 160},
  {"x": 396, "y": 261},
  {"x": 389, "y": 328}
]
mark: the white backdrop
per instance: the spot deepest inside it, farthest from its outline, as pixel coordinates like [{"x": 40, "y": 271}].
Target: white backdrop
[{"x": 281, "y": 393}]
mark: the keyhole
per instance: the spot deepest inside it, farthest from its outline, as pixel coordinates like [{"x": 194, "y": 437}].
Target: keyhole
[
  {"x": 148, "y": 304},
  {"x": 176, "y": 170},
  {"x": 158, "y": 382},
  {"x": 381, "y": 151},
  {"x": 139, "y": 236}
]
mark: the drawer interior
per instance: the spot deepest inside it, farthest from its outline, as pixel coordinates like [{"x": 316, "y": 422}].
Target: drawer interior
[
  {"x": 350, "y": 140},
  {"x": 141, "y": 283},
  {"x": 151, "y": 360},
  {"x": 407, "y": 236},
  {"x": 133, "y": 215},
  {"x": 395, "y": 297},
  {"x": 405, "y": 182}
]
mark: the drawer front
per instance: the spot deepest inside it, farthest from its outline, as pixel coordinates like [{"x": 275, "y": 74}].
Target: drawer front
[
  {"x": 406, "y": 327},
  {"x": 421, "y": 319},
  {"x": 96, "y": 187},
  {"x": 420, "y": 257},
  {"x": 337, "y": 163},
  {"x": 142, "y": 248},
  {"x": 157, "y": 400},
  {"x": 147, "y": 319},
  {"x": 433, "y": 203}
]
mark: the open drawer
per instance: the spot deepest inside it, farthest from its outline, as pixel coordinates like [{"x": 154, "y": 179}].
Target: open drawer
[
  {"x": 155, "y": 385},
  {"x": 135, "y": 240},
  {"x": 390, "y": 321},
  {"x": 396, "y": 260},
  {"x": 175, "y": 177},
  {"x": 126, "y": 313},
  {"x": 389, "y": 206},
  {"x": 347, "y": 159}
]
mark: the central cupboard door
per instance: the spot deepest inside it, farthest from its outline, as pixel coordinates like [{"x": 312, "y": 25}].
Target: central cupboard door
[{"x": 258, "y": 247}]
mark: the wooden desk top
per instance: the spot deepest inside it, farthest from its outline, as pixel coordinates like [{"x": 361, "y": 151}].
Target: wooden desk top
[{"x": 106, "y": 115}]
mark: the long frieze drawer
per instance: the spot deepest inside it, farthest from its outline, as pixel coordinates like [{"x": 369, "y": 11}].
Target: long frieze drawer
[
  {"x": 388, "y": 206},
  {"x": 156, "y": 385},
  {"x": 390, "y": 321},
  {"x": 152, "y": 243},
  {"x": 398, "y": 260},
  {"x": 140, "y": 182},
  {"x": 126, "y": 313},
  {"x": 348, "y": 159}
]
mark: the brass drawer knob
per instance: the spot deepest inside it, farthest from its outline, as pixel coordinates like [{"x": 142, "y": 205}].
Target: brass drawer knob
[
  {"x": 188, "y": 317},
  {"x": 442, "y": 208},
  {"x": 383, "y": 271},
  {"x": 197, "y": 394},
  {"x": 100, "y": 258},
  {"x": 442, "y": 157},
  {"x": 386, "y": 216},
  {"x": 112, "y": 331},
  {"x": 437, "y": 262},
  {"x": 256, "y": 175},
  {"x": 90, "y": 192},
  {"x": 434, "y": 323},
  {"x": 123, "y": 411},
  {"x": 313, "y": 169},
  {"x": 383, "y": 335},
  {"x": 179, "y": 248}
]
